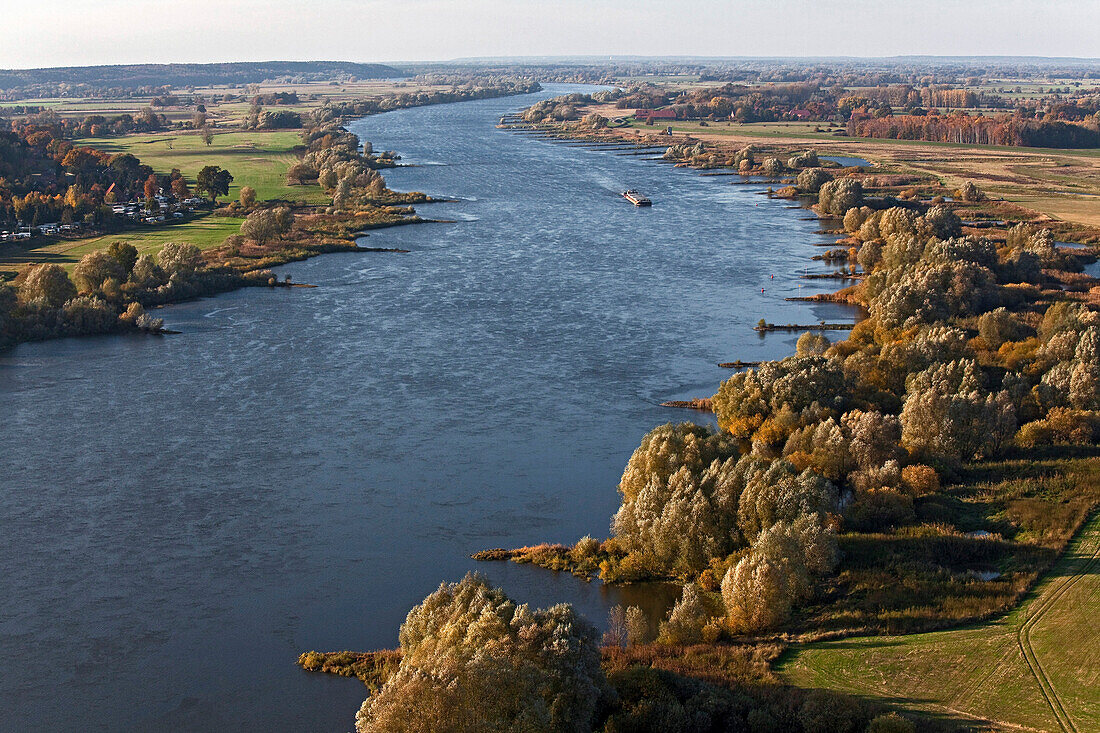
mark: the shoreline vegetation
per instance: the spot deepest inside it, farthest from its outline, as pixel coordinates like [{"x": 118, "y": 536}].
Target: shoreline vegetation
[
  {"x": 111, "y": 289},
  {"x": 922, "y": 474}
]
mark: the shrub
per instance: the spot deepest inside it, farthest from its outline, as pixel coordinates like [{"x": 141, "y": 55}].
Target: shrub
[
  {"x": 86, "y": 315},
  {"x": 637, "y": 626},
  {"x": 585, "y": 549},
  {"x": 686, "y": 620},
  {"x": 756, "y": 595},
  {"x": 970, "y": 192},
  {"x": 1061, "y": 425},
  {"x": 891, "y": 723},
  {"x": 920, "y": 480},
  {"x": 772, "y": 167},
  {"x": 807, "y": 159},
  {"x": 811, "y": 344},
  {"x": 828, "y": 712},
  {"x": 879, "y": 509},
  {"x": 810, "y": 180}
]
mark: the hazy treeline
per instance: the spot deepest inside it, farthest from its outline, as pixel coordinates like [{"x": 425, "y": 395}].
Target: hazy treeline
[
  {"x": 402, "y": 100},
  {"x": 980, "y": 130},
  {"x": 898, "y": 111},
  {"x": 111, "y": 81}
]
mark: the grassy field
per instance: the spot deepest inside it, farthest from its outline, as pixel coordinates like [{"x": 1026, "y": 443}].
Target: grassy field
[
  {"x": 1038, "y": 667},
  {"x": 203, "y": 231},
  {"x": 256, "y": 158}
]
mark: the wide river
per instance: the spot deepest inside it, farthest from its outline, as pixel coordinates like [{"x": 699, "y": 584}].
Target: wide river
[{"x": 180, "y": 517}]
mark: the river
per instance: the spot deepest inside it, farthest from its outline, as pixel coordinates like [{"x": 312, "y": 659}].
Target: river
[{"x": 181, "y": 516}]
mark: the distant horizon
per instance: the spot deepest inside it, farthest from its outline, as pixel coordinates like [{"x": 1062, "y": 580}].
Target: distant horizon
[
  {"x": 67, "y": 33},
  {"x": 593, "y": 59}
]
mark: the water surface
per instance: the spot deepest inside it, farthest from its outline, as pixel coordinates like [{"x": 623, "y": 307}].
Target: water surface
[
  {"x": 181, "y": 516},
  {"x": 847, "y": 161}
]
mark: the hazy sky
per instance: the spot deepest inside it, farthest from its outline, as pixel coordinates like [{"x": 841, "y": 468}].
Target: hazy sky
[{"x": 70, "y": 32}]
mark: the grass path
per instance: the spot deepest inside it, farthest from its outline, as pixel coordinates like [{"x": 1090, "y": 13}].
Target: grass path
[{"x": 1037, "y": 668}]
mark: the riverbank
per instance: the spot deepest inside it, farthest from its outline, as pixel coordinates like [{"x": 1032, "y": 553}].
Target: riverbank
[
  {"x": 900, "y": 532},
  {"x": 70, "y": 288}
]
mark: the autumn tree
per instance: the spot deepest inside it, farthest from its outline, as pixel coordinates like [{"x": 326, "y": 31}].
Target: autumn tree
[
  {"x": 778, "y": 573},
  {"x": 49, "y": 284},
  {"x": 146, "y": 273},
  {"x": 637, "y": 626},
  {"x": 259, "y": 226},
  {"x": 680, "y": 492},
  {"x": 264, "y": 224},
  {"x": 179, "y": 258},
  {"x": 836, "y": 197},
  {"x": 950, "y": 413},
  {"x": 95, "y": 268},
  {"x": 151, "y": 187},
  {"x": 810, "y": 180},
  {"x": 475, "y": 662},
  {"x": 180, "y": 189},
  {"x": 970, "y": 192},
  {"x": 686, "y": 620},
  {"x": 768, "y": 402},
  {"x": 756, "y": 594},
  {"x": 772, "y": 167},
  {"x": 782, "y": 493}
]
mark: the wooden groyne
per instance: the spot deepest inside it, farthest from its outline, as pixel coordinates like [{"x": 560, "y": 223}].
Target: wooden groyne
[
  {"x": 766, "y": 327},
  {"x": 703, "y": 404},
  {"x": 833, "y": 276}
]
